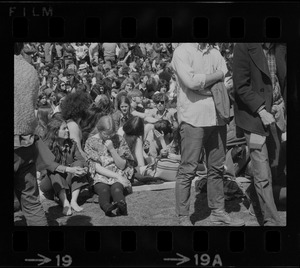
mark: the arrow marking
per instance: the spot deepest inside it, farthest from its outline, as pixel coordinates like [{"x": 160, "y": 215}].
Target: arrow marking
[
  {"x": 182, "y": 260},
  {"x": 43, "y": 260}
]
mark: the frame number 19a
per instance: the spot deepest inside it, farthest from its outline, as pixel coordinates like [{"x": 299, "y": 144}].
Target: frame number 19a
[{"x": 205, "y": 260}]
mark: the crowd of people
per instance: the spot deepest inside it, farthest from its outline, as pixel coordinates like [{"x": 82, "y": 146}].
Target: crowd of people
[{"x": 99, "y": 115}]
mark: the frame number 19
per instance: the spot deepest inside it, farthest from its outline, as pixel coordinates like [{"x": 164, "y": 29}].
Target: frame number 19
[{"x": 64, "y": 260}]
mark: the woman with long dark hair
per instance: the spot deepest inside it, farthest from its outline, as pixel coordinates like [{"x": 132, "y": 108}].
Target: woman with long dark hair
[
  {"x": 69, "y": 169},
  {"x": 123, "y": 112}
]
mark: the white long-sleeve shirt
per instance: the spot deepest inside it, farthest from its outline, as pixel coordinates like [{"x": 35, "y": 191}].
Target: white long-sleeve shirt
[{"x": 191, "y": 65}]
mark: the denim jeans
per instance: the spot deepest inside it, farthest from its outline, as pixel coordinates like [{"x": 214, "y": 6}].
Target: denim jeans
[
  {"x": 260, "y": 160},
  {"x": 26, "y": 188},
  {"x": 213, "y": 139}
]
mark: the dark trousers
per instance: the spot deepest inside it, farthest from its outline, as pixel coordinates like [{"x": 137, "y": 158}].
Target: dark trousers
[
  {"x": 106, "y": 193},
  {"x": 261, "y": 160},
  {"x": 26, "y": 187},
  {"x": 57, "y": 181},
  {"x": 213, "y": 139}
]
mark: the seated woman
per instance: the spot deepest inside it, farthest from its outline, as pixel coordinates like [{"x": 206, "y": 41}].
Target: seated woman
[
  {"x": 111, "y": 166},
  {"x": 43, "y": 116},
  {"x": 69, "y": 168},
  {"x": 94, "y": 112},
  {"x": 123, "y": 112},
  {"x": 43, "y": 101}
]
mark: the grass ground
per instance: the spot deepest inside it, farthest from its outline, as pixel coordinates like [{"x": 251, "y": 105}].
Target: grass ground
[{"x": 146, "y": 208}]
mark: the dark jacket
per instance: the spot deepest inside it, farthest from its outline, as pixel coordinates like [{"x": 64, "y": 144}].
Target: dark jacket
[
  {"x": 280, "y": 55},
  {"x": 253, "y": 85},
  {"x": 50, "y": 160},
  {"x": 221, "y": 101}
]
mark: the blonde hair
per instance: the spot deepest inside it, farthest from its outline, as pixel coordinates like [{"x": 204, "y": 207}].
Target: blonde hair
[{"x": 105, "y": 123}]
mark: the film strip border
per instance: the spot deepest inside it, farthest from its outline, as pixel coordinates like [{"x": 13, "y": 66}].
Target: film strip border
[
  {"x": 141, "y": 247},
  {"x": 129, "y": 21},
  {"x": 146, "y": 246}
]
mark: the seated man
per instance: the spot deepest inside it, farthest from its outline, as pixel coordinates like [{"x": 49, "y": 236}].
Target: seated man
[{"x": 161, "y": 111}]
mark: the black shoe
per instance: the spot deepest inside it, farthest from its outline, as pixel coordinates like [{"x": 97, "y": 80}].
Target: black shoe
[
  {"x": 110, "y": 208},
  {"x": 122, "y": 208}
]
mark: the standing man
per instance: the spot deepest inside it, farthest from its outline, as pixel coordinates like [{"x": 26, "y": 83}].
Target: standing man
[
  {"x": 197, "y": 67},
  {"x": 26, "y": 86},
  {"x": 260, "y": 112}
]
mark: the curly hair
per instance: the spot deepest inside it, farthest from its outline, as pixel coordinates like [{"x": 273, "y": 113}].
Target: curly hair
[{"x": 75, "y": 105}]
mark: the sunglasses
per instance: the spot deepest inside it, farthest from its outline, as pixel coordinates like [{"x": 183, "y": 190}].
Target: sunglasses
[{"x": 161, "y": 102}]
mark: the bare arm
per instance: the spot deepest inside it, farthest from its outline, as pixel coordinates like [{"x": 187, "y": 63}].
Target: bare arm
[
  {"x": 139, "y": 152},
  {"x": 105, "y": 172},
  {"x": 146, "y": 117},
  {"x": 119, "y": 161},
  {"x": 75, "y": 134}
]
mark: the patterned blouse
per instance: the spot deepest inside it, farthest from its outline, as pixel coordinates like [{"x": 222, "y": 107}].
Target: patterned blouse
[{"x": 98, "y": 153}]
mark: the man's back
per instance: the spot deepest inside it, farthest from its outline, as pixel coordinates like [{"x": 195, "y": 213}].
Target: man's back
[
  {"x": 109, "y": 49},
  {"x": 26, "y": 85}
]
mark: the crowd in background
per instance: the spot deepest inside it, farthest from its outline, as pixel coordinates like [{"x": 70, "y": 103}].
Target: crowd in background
[{"x": 90, "y": 91}]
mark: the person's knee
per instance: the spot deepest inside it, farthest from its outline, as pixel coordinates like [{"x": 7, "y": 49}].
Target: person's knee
[
  {"x": 216, "y": 169},
  {"x": 187, "y": 170},
  {"x": 261, "y": 182},
  {"x": 117, "y": 190},
  {"x": 100, "y": 190}
]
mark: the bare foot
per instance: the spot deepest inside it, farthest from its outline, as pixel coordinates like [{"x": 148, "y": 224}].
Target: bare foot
[
  {"x": 67, "y": 211},
  {"x": 75, "y": 206}
]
